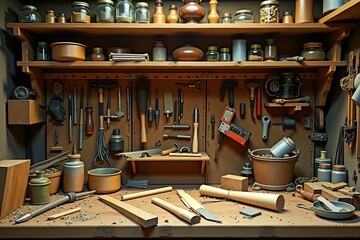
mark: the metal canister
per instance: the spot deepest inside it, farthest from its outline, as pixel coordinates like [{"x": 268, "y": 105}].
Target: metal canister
[
  {"x": 324, "y": 172},
  {"x": 73, "y": 178},
  {"x": 322, "y": 159},
  {"x": 40, "y": 188},
  {"x": 338, "y": 174},
  {"x": 283, "y": 147}
]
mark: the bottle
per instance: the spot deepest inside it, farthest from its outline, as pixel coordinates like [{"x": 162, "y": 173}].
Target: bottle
[
  {"x": 105, "y": 11},
  {"x": 61, "y": 18},
  {"x": 159, "y": 15},
  {"x": 244, "y": 16},
  {"x": 270, "y": 51},
  {"x": 212, "y": 55},
  {"x": 73, "y": 173},
  {"x": 269, "y": 11},
  {"x": 213, "y": 16},
  {"x": 338, "y": 174},
  {"x": 29, "y": 14},
  {"x": 80, "y": 12},
  {"x": 226, "y": 18},
  {"x": 255, "y": 53},
  {"x": 124, "y": 11},
  {"x": 324, "y": 172},
  {"x": 322, "y": 159},
  {"x": 142, "y": 13},
  {"x": 42, "y": 52},
  {"x": 50, "y": 16},
  {"x": 224, "y": 54},
  {"x": 288, "y": 17},
  {"x": 97, "y": 54},
  {"x": 40, "y": 188},
  {"x": 304, "y": 11},
  {"x": 173, "y": 16},
  {"x": 159, "y": 51}
]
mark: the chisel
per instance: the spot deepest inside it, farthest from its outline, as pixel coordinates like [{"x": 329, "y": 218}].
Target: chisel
[
  {"x": 75, "y": 105},
  {"x": 89, "y": 122},
  {"x": 157, "y": 109},
  {"x": 195, "y": 143},
  {"x": 70, "y": 117},
  {"x": 81, "y": 119}
]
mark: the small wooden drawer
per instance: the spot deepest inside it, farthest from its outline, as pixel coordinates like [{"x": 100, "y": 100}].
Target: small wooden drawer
[{"x": 25, "y": 112}]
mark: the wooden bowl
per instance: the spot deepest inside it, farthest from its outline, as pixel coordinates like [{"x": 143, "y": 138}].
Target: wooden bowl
[
  {"x": 188, "y": 53},
  {"x": 104, "y": 180},
  {"x": 67, "y": 51}
]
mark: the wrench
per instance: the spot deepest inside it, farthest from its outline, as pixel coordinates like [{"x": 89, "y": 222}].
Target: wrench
[
  {"x": 265, "y": 131},
  {"x": 119, "y": 113}
]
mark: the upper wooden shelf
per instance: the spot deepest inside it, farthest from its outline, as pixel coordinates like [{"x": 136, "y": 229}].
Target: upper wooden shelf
[
  {"x": 193, "y": 30},
  {"x": 348, "y": 11}
]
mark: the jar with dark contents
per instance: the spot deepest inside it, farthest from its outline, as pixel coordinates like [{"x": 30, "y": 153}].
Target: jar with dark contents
[
  {"x": 244, "y": 16},
  {"x": 226, "y": 18},
  {"x": 288, "y": 17},
  {"x": 224, "y": 55},
  {"x": 269, "y": 11},
  {"x": 255, "y": 53},
  {"x": 29, "y": 14},
  {"x": 270, "y": 51},
  {"x": 312, "y": 51},
  {"x": 42, "y": 52},
  {"x": 105, "y": 11},
  {"x": 142, "y": 13},
  {"x": 212, "y": 54},
  {"x": 97, "y": 54},
  {"x": 80, "y": 12}
]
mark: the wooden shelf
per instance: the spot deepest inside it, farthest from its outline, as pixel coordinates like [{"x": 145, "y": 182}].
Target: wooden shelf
[
  {"x": 158, "y": 158},
  {"x": 291, "y": 108},
  {"x": 348, "y": 11}
]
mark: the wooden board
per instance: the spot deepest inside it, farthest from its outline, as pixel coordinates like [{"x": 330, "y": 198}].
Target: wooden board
[
  {"x": 13, "y": 181},
  {"x": 25, "y": 112},
  {"x": 234, "y": 182}
]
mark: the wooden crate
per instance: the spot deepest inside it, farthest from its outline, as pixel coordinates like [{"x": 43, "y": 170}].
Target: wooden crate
[
  {"x": 25, "y": 112},
  {"x": 13, "y": 181}
]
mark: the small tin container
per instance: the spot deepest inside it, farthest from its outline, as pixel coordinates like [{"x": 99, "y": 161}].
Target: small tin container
[
  {"x": 226, "y": 18},
  {"x": 338, "y": 174},
  {"x": 322, "y": 159},
  {"x": 29, "y": 14},
  {"x": 40, "y": 188},
  {"x": 73, "y": 174},
  {"x": 324, "y": 172},
  {"x": 283, "y": 147},
  {"x": 244, "y": 16},
  {"x": 212, "y": 54}
]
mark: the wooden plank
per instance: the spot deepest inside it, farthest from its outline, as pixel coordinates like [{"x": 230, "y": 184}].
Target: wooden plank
[
  {"x": 334, "y": 186},
  {"x": 349, "y": 192},
  {"x": 25, "y": 112},
  {"x": 139, "y": 216},
  {"x": 58, "y": 215},
  {"x": 145, "y": 193},
  {"x": 348, "y": 11},
  {"x": 331, "y": 195},
  {"x": 314, "y": 188},
  {"x": 234, "y": 182},
  {"x": 13, "y": 182}
]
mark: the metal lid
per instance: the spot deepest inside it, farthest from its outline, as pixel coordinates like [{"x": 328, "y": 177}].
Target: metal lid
[
  {"x": 82, "y": 4},
  {"x": 286, "y": 13},
  {"x": 159, "y": 43},
  {"x": 172, "y": 6},
  {"x": 50, "y": 11},
  {"x": 269, "y": 2},
  {"x": 270, "y": 41},
  {"x": 255, "y": 46},
  {"x": 61, "y": 15},
  {"x": 226, "y": 15},
  {"x": 142, "y": 4},
  {"x": 29, "y": 7},
  {"x": 159, "y": 1},
  {"x": 212, "y": 48},
  {"x": 42, "y": 44},
  {"x": 313, "y": 45},
  {"x": 339, "y": 167},
  {"x": 97, "y": 49},
  {"x": 245, "y": 10},
  {"x": 325, "y": 165},
  {"x": 105, "y": 1},
  {"x": 224, "y": 49}
]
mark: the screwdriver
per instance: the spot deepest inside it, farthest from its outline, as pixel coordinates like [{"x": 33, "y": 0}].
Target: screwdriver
[
  {"x": 89, "y": 122},
  {"x": 157, "y": 110}
]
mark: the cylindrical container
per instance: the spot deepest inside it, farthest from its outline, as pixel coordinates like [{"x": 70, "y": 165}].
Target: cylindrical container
[
  {"x": 29, "y": 14},
  {"x": 159, "y": 52},
  {"x": 213, "y": 16},
  {"x": 331, "y": 5},
  {"x": 97, "y": 54},
  {"x": 42, "y": 52},
  {"x": 269, "y": 11},
  {"x": 80, "y": 12},
  {"x": 324, "y": 172},
  {"x": 244, "y": 16},
  {"x": 61, "y": 18},
  {"x": 159, "y": 15},
  {"x": 40, "y": 188},
  {"x": 73, "y": 178},
  {"x": 322, "y": 159},
  {"x": 255, "y": 53},
  {"x": 338, "y": 174},
  {"x": 224, "y": 55},
  {"x": 304, "y": 11},
  {"x": 288, "y": 17},
  {"x": 284, "y": 147},
  {"x": 312, "y": 51},
  {"x": 226, "y": 18},
  {"x": 124, "y": 11},
  {"x": 173, "y": 16},
  {"x": 239, "y": 50},
  {"x": 105, "y": 11},
  {"x": 104, "y": 180},
  {"x": 247, "y": 171},
  {"x": 270, "y": 51},
  {"x": 142, "y": 13},
  {"x": 50, "y": 16},
  {"x": 212, "y": 54},
  {"x": 116, "y": 142}
]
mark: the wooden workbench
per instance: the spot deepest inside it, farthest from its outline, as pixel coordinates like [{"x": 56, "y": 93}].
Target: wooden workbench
[{"x": 97, "y": 220}]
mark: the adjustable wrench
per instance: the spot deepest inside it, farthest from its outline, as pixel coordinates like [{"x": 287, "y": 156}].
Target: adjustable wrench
[
  {"x": 119, "y": 113},
  {"x": 265, "y": 130}
]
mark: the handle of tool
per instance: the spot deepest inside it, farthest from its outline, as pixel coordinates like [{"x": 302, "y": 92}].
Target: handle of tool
[
  {"x": 195, "y": 143},
  {"x": 143, "y": 128},
  {"x": 55, "y": 216},
  {"x": 89, "y": 122},
  {"x": 308, "y": 196},
  {"x": 189, "y": 200},
  {"x": 167, "y": 151},
  {"x": 70, "y": 120},
  {"x": 81, "y": 128},
  {"x": 101, "y": 109},
  {"x": 108, "y": 113},
  {"x": 258, "y": 103},
  {"x": 145, "y": 193}
]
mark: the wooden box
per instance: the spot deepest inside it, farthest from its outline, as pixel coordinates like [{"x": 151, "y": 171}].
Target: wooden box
[
  {"x": 234, "y": 182},
  {"x": 25, "y": 112},
  {"x": 13, "y": 181}
]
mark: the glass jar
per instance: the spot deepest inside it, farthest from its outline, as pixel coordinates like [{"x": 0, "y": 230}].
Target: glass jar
[
  {"x": 80, "y": 12},
  {"x": 142, "y": 13},
  {"x": 212, "y": 54},
  {"x": 270, "y": 51},
  {"x": 312, "y": 51},
  {"x": 159, "y": 51},
  {"x": 226, "y": 18},
  {"x": 255, "y": 53},
  {"x": 269, "y": 11},
  {"x": 97, "y": 54},
  {"x": 124, "y": 11},
  {"x": 288, "y": 17},
  {"x": 338, "y": 174},
  {"x": 50, "y": 16},
  {"x": 244, "y": 16},
  {"x": 324, "y": 172},
  {"x": 224, "y": 54},
  {"x": 42, "y": 52},
  {"x": 29, "y": 14},
  {"x": 105, "y": 11}
]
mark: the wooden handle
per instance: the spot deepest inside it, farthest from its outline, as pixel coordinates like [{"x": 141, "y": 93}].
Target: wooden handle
[
  {"x": 52, "y": 217},
  {"x": 308, "y": 196},
  {"x": 176, "y": 154},
  {"x": 145, "y": 193},
  {"x": 266, "y": 200},
  {"x": 181, "y": 213},
  {"x": 258, "y": 103},
  {"x": 195, "y": 143},
  {"x": 194, "y": 205},
  {"x": 168, "y": 151},
  {"x": 143, "y": 128}
]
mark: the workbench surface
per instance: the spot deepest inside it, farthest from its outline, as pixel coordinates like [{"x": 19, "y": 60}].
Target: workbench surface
[{"x": 98, "y": 220}]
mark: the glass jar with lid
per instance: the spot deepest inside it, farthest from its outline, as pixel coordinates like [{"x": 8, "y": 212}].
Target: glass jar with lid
[
  {"x": 105, "y": 11},
  {"x": 142, "y": 13},
  {"x": 212, "y": 54},
  {"x": 244, "y": 16},
  {"x": 42, "y": 52},
  {"x": 270, "y": 51},
  {"x": 288, "y": 17},
  {"x": 255, "y": 53},
  {"x": 312, "y": 51},
  {"x": 124, "y": 11},
  {"x": 224, "y": 54},
  {"x": 226, "y": 18},
  {"x": 80, "y": 12},
  {"x": 29, "y": 14},
  {"x": 97, "y": 54},
  {"x": 269, "y": 11}
]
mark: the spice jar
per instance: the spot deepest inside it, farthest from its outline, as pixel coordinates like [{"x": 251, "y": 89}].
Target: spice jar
[
  {"x": 40, "y": 188},
  {"x": 29, "y": 14},
  {"x": 244, "y": 16},
  {"x": 124, "y": 11},
  {"x": 255, "y": 53},
  {"x": 173, "y": 16},
  {"x": 288, "y": 17},
  {"x": 270, "y": 51},
  {"x": 142, "y": 13},
  {"x": 97, "y": 54},
  {"x": 105, "y": 11},
  {"x": 50, "y": 16},
  {"x": 226, "y": 18},
  {"x": 324, "y": 172},
  {"x": 338, "y": 174},
  {"x": 80, "y": 12},
  {"x": 224, "y": 54},
  {"x": 269, "y": 11},
  {"x": 212, "y": 54},
  {"x": 61, "y": 18},
  {"x": 312, "y": 51},
  {"x": 159, "y": 51},
  {"x": 42, "y": 52}
]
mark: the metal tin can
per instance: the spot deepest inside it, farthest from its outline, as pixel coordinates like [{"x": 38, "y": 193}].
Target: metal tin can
[
  {"x": 73, "y": 178},
  {"x": 338, "y": 174},
  {"x": 322, "y": 159},
  {"x": 283, "y": 147},
  {"x": 324, "y": 172},
  {"x": 40, "y": 188},
  {"x": 288, "y": 17}
]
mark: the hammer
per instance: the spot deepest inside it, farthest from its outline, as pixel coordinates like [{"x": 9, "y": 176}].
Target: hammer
[
  {"x": 175, "y": 148},
  {"x": 230, "y": 87}
]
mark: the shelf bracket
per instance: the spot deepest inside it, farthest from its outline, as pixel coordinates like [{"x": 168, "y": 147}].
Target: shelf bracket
[{"x": 325, "y": 77}]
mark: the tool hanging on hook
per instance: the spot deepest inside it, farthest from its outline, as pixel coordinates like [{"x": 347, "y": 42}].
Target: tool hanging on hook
[{"x": 253, "y": 86}]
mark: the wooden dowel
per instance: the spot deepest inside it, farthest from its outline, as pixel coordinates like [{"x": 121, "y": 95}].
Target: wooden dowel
[
  {"x": 145, "y": 193},
  {"x": 58, "y": 215}
]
